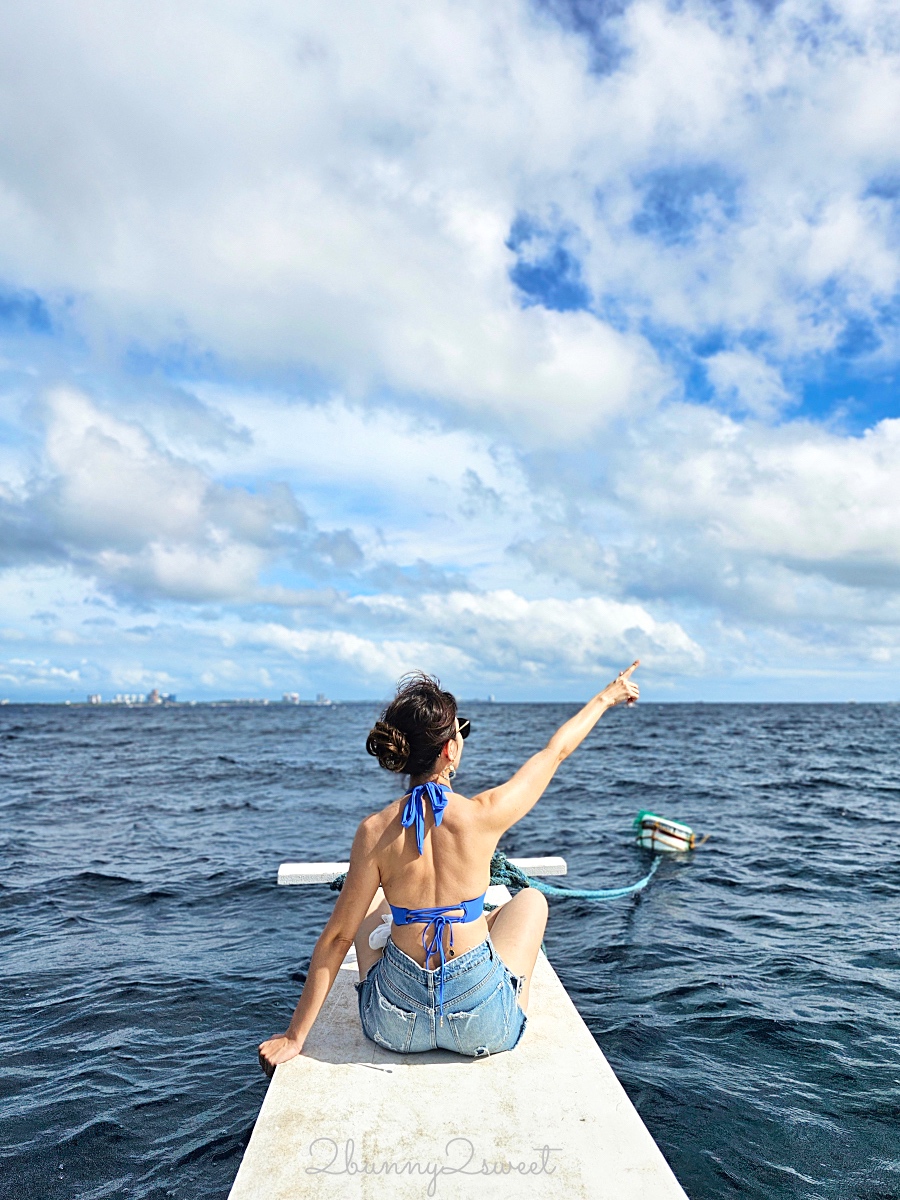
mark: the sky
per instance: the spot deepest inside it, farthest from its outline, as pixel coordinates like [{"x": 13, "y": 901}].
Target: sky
[{"x": 507, "y": 341}]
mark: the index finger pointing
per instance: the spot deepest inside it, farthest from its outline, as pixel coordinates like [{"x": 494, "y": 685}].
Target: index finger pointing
[{"x": 627, "y": 674}]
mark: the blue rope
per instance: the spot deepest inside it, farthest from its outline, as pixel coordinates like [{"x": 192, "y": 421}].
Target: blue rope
[
  {"x": 596, "y": 893},
  {"x": 503, "y": 871}
]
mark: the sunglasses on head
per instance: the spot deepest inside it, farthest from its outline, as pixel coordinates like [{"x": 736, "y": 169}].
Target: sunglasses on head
[{"x": 465, "y": 727}]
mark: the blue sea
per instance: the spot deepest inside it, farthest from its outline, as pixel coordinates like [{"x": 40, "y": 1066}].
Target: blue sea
[{"x": 749, "y": 999}]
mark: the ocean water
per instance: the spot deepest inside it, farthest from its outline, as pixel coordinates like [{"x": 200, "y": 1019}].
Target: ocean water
[{"x": 749, "y": 1000}]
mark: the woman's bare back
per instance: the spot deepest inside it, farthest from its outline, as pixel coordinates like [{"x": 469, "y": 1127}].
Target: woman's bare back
[{"x": 454, "y": 866}]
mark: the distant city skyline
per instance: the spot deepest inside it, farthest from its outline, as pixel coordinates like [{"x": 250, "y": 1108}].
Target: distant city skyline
[{"x": 507, "y": 342}]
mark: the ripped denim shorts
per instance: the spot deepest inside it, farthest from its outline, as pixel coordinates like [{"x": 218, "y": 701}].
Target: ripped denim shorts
[{"x": 399, "y": 1009}]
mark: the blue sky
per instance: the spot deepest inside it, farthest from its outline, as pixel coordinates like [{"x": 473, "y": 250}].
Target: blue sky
[{"x": 511, "y": 342}]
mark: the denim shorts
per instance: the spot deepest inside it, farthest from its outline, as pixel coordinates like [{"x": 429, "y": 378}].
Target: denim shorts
[{"x": 398, "y": 1004}]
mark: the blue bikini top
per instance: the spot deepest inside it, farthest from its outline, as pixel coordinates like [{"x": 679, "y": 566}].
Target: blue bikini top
[{"x": 442, "y": 916}]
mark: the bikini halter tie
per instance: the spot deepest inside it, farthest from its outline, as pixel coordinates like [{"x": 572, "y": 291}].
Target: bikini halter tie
[{"x": 414, "y": 808}]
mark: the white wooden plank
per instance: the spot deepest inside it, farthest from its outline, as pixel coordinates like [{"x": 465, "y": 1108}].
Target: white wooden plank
[
  {"x": 324, "y": 872},
  {"x": 551, "y": 865},
  {"x": 317, "y": 872}
]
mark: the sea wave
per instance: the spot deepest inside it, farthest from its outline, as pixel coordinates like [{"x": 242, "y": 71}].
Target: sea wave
[{"x": 749, "y": 999}]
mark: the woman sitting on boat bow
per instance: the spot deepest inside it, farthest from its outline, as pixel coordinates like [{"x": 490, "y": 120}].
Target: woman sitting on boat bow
[{"x": 449, "y": 975}]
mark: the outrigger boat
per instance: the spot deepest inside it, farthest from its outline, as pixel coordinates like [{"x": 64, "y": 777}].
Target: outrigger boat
[{"x": 548, "y": 1120}]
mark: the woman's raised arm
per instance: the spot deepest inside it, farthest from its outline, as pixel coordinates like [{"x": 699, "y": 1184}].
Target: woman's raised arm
[{"x": 510, "y": 801}]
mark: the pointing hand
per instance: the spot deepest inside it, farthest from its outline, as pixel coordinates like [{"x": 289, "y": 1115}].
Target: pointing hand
[{"x": 623, "y": 689}]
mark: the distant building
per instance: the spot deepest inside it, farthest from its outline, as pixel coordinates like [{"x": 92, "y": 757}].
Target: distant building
[
  {"x": 290, "y": 698},
  {"x": 95, "y": 698},
  {"x": 155, "y": 697},
  {"x": 322, "y": 700}
]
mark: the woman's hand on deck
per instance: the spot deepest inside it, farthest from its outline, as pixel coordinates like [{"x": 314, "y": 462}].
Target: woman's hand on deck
[
  {"x": 623, "y": 690},
  {"x": 277, "y": 1050}
]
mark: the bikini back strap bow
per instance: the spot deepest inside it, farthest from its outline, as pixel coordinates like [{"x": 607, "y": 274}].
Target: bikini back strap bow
[{"x": 436, "y": 920}]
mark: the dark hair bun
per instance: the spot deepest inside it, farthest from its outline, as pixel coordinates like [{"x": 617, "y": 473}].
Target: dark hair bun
[
  {"x": 389, "y": 746},
  {"x": 417, "y": 723}
]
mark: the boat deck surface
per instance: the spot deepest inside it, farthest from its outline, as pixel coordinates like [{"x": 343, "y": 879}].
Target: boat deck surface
[{"x": 549, "y": 1120}]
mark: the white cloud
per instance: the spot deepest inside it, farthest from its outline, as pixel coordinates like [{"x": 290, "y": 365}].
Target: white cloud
[
  {"x": 111, "y": 485},
  {"x": 381, "y": 660},
  {"x": 742, "y": 380},
  {"x": 33, "y": 675},
  {"x": 264, "y": 192},
  {"x": 799, "y": 494},
  {"x": 408, "y": 487},
  {"x": 295, "y": 208},
  {"x": 282, "y": 187},
  {"x": 500, "y": 635},
  {"x": 134, "y": 515}
]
